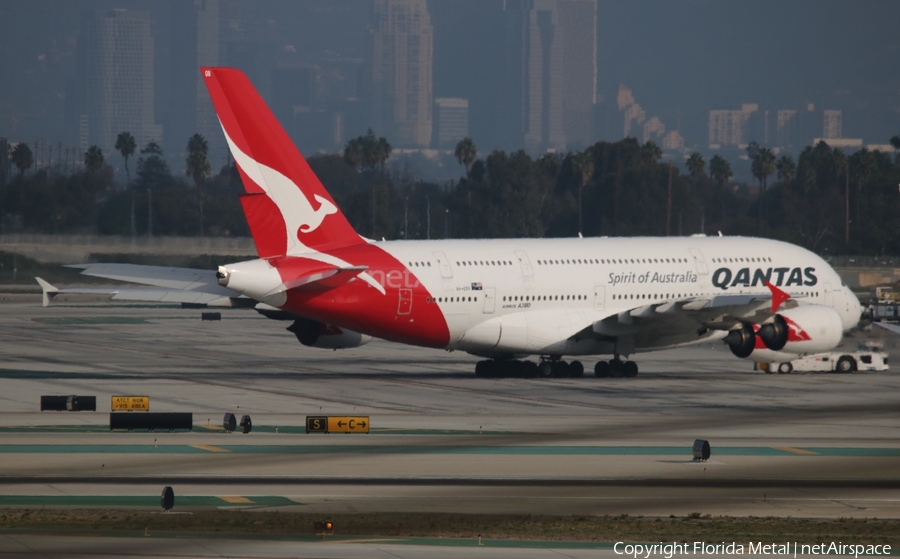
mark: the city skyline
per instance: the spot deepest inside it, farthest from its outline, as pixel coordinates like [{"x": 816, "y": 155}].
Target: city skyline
[{"x": 520, "y": 66}]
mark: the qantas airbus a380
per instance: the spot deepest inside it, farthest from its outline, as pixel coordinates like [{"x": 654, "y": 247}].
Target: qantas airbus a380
[{"x": 503, "y": 300}]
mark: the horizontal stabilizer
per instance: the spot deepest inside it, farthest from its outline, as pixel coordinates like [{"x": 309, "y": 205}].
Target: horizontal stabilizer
[
  {"x": 185, "y": 279},
  {"x": 321, "y": 281}
]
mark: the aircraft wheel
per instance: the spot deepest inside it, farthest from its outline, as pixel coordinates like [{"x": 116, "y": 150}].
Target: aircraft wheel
[
  {"x": 601, "y": 369},
  {"x": 480, "y": 369},
  {"x": 630, "y": 369},
  {"x": 846, "y": 364},
  {"x": 545, "y": 369},
  {"x": 616, "y": 368},
  {"x": 561, "y": 369},
  {"x": 785, "y": 368},
  {"x": 576, "y": 369}
]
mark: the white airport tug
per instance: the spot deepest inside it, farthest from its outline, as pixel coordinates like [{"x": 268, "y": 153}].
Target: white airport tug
[{"x": 840, "y": 361}]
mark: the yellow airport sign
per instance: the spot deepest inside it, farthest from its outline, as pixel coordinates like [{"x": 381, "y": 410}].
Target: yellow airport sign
[
  {"x": 130, "y": 403},
  {"x": 337, "y": 424},
  {"x": 348, "y": 424}
]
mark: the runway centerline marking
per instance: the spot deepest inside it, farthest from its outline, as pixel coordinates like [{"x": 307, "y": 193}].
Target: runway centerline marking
[
  {"x": 795, "y": 450},
  {"x": 209, "y": 447},
  {"x": 234, "y": 499}
]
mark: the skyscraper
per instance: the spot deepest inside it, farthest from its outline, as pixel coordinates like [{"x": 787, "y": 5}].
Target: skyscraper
[
  {"x": 195, "y": 42},
  {"x": 451, "y": 121},
  {"x": 831, "y": 124},
  {"x": 578, "y": 21},
  {"x": 400, "y": 88},
  {"x": 550, "y": 72},
  {"x": 115, "y": 77},
  {"x": 544, "y": 71}
]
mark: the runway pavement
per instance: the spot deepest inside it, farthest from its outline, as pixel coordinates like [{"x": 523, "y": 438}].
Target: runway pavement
[{"x": 817, "y": 445}]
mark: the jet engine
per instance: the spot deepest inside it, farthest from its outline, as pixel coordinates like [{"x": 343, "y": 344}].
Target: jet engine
[
  {"x": 741, "y": 340},
  {"x": 313, "y": 333},
  {"x": 804, "y": 329}
]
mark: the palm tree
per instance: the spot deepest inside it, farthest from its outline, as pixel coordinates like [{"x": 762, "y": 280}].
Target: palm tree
[
  {"x": 383, "y": 152},
  {"x": 197, "y": 163},
  {"x": 842, "y": 167},
  {"x": 763, "y": 165},
  {"x": 720, "y": 170},
  {"x": 862, "y": 166},
  {"x": 787, "y": 169},
  {"x": 22, "y": 157},
  {"x": 466, "y": 153},
  {"x": 126, "y": 145},
  {"x": 197, "y": 167},
  {"x": 583, "y": 165},
  {"x": 651, "y": 152},
  {"x": 895, "y": 143},
  {"x": 93, "y": 159},
  {"x": 696, "y": 166},
  {"x": 353, "y": 153}
]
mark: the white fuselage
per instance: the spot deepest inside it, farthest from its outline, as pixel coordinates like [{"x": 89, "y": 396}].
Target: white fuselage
[{"x": 534, "y": 295}]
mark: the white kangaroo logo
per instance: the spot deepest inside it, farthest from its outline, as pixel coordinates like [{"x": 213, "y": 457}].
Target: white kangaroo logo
[
  {"x": 296, "y": 211},
  {"x": 325, "y": 208}
]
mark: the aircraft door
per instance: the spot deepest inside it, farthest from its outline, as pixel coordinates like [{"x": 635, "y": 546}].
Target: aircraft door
[
  {"x": 702, "y": 270},
  {"x": 829, "y": 298},
  {"x": 405, "y": 306},
  {"x": 527, "y": 270},
  {"x": 488, "y": 300},
  {"x": 599, "y": 297},
  {"x": 446, "y": 270}
]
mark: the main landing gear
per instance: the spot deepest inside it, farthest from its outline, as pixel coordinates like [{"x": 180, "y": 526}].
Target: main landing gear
[
  {"x": 511, "y": 368},
  {"x": 616, "y": 368},
  {"x": 552, "y": 367}
]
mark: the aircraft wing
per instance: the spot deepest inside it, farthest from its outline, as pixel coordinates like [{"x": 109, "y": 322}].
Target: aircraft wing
[{"x": 663, "y": 324}]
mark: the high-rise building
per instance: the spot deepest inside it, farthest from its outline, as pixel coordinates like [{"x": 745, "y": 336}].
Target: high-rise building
[
  {"x": 549, "y": 72},
  {"x": 786, "y": 134},
  {"x": 730, "y": 128},
  {"x": 195, "y": 26},
  {"x": 115, "y": 78},
  {"x": 400, "y": 88},
  {"x": 831, "y": 124},
  {"x": 451, "y": 121},
  {"x": 544, "y": 71},
  {"x": 578, "y": 22}
]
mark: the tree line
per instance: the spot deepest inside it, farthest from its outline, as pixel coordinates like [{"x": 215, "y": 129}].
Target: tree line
[{"x": 824, "y": 199}]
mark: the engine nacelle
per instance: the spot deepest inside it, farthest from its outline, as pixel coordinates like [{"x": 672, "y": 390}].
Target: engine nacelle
[
  {"x": 313, "y": 333},
  {"x": 741, "y": 340},
  {"x": 801, "y": 330}
]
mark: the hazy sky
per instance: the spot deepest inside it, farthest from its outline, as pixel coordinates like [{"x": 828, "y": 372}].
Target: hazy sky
[
  {"x": 696, "y": 55},
  {"x": 680, "y": 57}
]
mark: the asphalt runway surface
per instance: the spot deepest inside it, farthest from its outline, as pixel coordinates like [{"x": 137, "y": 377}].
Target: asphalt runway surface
[{"x": 802, "y": 445}]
